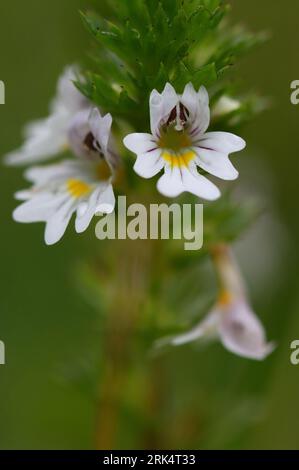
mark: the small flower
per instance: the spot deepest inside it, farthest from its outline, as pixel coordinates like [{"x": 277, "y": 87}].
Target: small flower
[
  {"x": 179, "y": 144},
  {"x": 237, "y": 327},
  {"x": 81, "y": 186},
  {"x": 89, "y": 136},
  {"x": 48, "y": 137},
  {"x": 231, "y": 319}
]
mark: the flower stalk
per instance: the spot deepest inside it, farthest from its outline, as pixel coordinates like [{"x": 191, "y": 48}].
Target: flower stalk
[{"x": 128, "y": 293}]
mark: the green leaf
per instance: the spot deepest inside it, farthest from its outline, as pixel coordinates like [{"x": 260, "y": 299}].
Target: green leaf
[{"x": 204, "y": 76}]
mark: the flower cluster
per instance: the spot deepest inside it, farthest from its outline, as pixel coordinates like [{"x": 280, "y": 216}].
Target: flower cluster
[
  {"x": 179, "y": 145},
  {"x": 82, "y": 185}
]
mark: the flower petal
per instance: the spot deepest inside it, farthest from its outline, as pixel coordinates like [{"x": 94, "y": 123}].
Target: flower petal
[
  {"x": 140, "y": 143},
  {"x": 207, "y": 327},
  {"x": 213, "y": 149},
  {"x": 39, "y": 208},
  {"x": 242, "y": 332},
  {"x": 78, "y": 129},
  {"x": 199, "y": 185},
  {"x": 161, "y": 106},
  {"x": 101, "y": 200},
  {"x": 149, "y": 164},
  {"x": 216, "y": 163},
  {"x": 43, "y": 175},
  {"x": 47, "y": 138},
  {"x": 171, "y": 184},
  {"x": 87, "y": 210},
  {"x": 198, "y": 106},
  {"x": 68, "y": 95},
  {"x": 57, "y": 223},
  {"x": 106, "y": 202},
  {"x": 223, "y": 142},
  {"x": 24, "y": 194},
  {"x": 101, "y": 128}
]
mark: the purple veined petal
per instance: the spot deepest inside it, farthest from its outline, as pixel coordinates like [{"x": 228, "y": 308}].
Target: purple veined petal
[
  {"x": 216, "y": 163},
  {"x": 161, "y": 106},
  {"x": 197, "y": 104},
  {"x": 149, "y": 164},
  {"x": 223, "y": 142},
  {"x": 100, "y": 128},
  {"x": 140, "y": 143},
  {"x": 78, "y": 130},
  {"x": 190, "y": 100}
]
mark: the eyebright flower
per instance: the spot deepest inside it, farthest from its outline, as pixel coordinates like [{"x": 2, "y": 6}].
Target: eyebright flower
[
  {"x": 231, "y": 319},
  {"x": 48, "y": 137},
  {"x": 179, "y": 143},
  {"x": 81, "y": 186},
  {"x": 237, "y": 327}
]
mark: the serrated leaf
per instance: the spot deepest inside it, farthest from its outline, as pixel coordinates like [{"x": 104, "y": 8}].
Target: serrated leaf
[{"x": 206, "y": 75}]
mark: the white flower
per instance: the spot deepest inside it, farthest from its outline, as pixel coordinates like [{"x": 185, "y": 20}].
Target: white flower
[
  {"x": 231, "y": 319},
  {"x": 81, "y": 186},
  {"x": 237, "y": 327},
  {"x": 48, "y": 137},
  {"x": 179, "y": 144}
]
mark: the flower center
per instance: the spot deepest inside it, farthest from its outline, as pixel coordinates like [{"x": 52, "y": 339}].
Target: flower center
[
  {"x": 77, "y": 188},
  {"x": 174, "y": 140},
  {"x": 176, "y": 147}
]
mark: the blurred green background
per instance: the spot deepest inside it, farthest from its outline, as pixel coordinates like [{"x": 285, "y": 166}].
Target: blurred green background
[{"x": 211, "y": 398}]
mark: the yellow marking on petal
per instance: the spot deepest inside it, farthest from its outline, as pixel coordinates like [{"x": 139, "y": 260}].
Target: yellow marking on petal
[
  {"x": 179, "y": 159},
  {"x": 77, "y": 188},
  {"x": 225, "y": 298}
]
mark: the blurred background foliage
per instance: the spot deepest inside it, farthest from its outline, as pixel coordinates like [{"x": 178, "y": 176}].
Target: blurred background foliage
[{"x": 197, "y": 396}]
